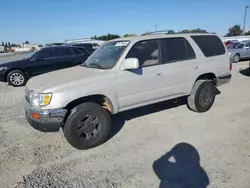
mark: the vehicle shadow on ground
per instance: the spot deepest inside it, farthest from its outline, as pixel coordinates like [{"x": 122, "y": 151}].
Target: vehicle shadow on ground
[
  {"x": 245, "y": 72},
  {"x": 119, "y": 120},
  {"x": 180, "y": 167}
]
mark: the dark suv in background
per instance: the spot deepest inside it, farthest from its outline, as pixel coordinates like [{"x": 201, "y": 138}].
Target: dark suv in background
[
  {"x": 47, "y": 59},
  {"x": 90, "y": 47}
]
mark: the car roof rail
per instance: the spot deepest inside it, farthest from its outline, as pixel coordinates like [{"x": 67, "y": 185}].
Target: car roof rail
[{"x": 173, "y": 32}]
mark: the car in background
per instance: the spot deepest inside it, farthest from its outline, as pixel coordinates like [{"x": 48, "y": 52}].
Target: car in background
[
  {"x": 228, "y": 42},
  {"x": 233, "y": 45},
  {"x": 48, "y": 59},
  {"x": 240, "y": 51},
  {"x": 90, "y": 47},
  {"x": 2, "y": 48}
]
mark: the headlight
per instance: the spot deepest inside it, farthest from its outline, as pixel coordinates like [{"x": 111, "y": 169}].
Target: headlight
[
  {"x": 3, "y": 68},
  {"x": 40, "y": 99}
]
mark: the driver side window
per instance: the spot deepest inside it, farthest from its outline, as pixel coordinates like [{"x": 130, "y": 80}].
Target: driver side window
[
  {"x": 44, "y": 53},
  {"x": 147, "y": 52}
]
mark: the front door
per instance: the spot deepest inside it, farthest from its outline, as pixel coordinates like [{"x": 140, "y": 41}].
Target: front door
[
  {"x": 139, "y": 86},
  {"x": 41, "y": 63},
  {"x": 245, "y": 51}
]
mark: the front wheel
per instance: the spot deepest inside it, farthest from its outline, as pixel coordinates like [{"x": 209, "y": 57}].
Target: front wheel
[
  {"x": 87, "y": 126},
  {"x": 17, "y": 78},
  {"x": 236, "y": 58},
  {"x": 202, "y": 96}
]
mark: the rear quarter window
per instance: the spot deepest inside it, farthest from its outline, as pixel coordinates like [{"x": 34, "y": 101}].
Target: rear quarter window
[{"x": 210, "y": 45}]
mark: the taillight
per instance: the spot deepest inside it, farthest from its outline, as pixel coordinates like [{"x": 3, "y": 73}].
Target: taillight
[{"x": 230, "y": 64}]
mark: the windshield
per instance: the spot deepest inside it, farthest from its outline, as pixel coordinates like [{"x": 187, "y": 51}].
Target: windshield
[
  {"x": 233, "y": 45},
  {"x": 107, "y": 55},
  {"x": 31, "y": 54}
]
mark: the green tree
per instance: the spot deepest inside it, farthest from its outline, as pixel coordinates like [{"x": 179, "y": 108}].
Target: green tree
[
  {"x": 2, "y": 43},
  {"x": 234, "y": 31},
  {"x": 129, "y": 35},
  {"x": 198, "y": 30},
  {"x": 13, "y": 45},
  {"x": 106, "y": 37},
  {"x": 26, "y": 42},
  {"x": 9, "y": 45},
  {"x": 6, "y": 45}
]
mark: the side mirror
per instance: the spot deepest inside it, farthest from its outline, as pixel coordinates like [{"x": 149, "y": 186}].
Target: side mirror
[
  {"x": 39, "y": 59},
  {"x": 130, "y": 63}
]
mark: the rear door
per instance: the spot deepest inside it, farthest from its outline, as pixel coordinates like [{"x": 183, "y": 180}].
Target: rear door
[
  {"x": 64, "y": 58},
  {"x": 81, "y": 55},
  {"x": 179, "y": 66},
  {"x": 41, "y": 63}
]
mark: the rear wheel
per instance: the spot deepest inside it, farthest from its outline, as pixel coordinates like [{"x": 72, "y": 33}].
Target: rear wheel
[
  {"x": 87, "y": 126},
  {"x": 236, "y": 58},
  {"x": 17, "y": 78},
  {"x": 202, "y": 96}
]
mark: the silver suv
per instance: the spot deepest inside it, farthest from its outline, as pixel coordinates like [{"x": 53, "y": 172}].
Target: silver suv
[{"x": 123, "y": 74}]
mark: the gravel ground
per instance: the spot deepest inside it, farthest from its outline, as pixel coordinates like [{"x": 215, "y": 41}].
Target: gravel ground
[{"x": 156, "y": 146}]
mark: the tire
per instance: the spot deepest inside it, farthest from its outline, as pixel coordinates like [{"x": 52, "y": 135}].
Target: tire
[
  {"x": 17, "y": 78},
  {"x": 196, "y": 101},
  {"x": 236, "y": 58},
  {"x": 80, "y": 134}
]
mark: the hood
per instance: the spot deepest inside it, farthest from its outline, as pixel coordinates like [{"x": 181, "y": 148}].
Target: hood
[
  {"x": 66, "y": 78},
  {"x": 12, "y": 63}
]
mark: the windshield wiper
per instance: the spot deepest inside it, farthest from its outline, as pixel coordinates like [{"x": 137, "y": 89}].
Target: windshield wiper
[{"x": 96, "y": 65}]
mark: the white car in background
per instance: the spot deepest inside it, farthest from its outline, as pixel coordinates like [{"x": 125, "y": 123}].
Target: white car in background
[{"x": 2, "y": 49}]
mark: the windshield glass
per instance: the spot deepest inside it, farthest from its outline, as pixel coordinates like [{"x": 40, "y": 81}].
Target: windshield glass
[
  {"x": 31, "y": 54},
  {"x": 233, "y": 45},
  {"x": 107, "y": 55}
]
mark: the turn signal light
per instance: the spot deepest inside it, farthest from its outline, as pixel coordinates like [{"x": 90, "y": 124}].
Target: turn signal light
[{"x": 35, "y": 115}]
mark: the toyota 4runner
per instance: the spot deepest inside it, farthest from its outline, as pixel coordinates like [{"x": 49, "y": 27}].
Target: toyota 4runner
[{"x": 123, "y": 74}]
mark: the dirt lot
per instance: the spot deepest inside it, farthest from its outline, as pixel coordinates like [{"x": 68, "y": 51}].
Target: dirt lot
[{"x": 151, "y": 146}]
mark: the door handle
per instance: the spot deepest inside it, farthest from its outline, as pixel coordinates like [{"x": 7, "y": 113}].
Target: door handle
[
  {"x": 196, "y": 67},
  {"x": 159, "y": 74}
]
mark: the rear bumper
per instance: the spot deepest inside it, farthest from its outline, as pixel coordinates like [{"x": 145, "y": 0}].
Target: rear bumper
[
  {"x": 48, "y": 121},
  {"x": 221, "y": 80}
]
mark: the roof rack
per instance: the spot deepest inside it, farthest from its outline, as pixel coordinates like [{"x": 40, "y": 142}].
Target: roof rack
[
  {"x": 159, "y": 32},
  {"x": 173, "y": 32}
]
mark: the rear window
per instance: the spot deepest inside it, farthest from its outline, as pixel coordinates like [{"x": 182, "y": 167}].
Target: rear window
[
  {"x": 210, "y": 45},
  {"x": 177, "y": 49}
]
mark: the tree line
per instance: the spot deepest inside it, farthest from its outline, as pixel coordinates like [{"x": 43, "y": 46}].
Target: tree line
[{"x": 235, "y": 30}]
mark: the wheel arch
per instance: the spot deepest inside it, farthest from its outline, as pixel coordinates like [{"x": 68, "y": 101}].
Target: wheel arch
[
  {"x": 12, "y": 69},
  {"x": 100, "y": 99},
  {"x": 207, "y": 76}
]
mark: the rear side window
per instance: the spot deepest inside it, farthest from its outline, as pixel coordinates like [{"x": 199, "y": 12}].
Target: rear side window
[
  {"x": 176, "y": 49},
  {"x": 210, "y": 45},
  {"x": 62, "y": 52},
  {"x": 77, "y": 51}
]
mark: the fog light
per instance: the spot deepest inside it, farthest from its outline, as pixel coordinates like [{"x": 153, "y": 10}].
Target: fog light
[{"x": 35, "y": 115}]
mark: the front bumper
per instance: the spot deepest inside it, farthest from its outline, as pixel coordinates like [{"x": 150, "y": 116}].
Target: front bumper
[
  {"x": 48, "y": 121},
  {"x": 2, "y": 77},
  {"x": 221, "y": 80}
]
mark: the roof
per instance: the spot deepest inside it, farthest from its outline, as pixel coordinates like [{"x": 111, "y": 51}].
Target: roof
[
  {"x": 64, "y": 47},
  {"x": 155, "y": 36}
]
